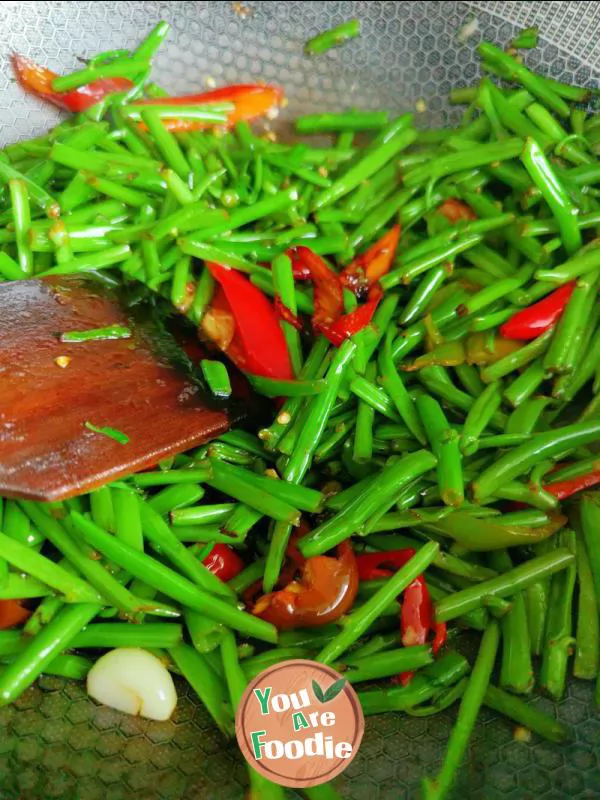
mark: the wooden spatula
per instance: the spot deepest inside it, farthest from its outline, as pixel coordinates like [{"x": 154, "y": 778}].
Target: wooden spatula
[{"x": 50, "y": 389}]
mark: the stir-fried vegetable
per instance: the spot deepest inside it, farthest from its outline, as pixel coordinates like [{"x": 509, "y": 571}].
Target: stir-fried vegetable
[{"x": 423, "y": 310}]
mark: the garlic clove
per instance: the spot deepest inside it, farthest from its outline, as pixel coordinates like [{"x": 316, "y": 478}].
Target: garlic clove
[{"x": 134, "y": 681}]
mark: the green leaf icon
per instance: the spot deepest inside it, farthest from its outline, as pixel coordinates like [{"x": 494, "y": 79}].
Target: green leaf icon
[
  {"x": 318, "y": 692},
  {"x": 329, "y": 694},
  {"x": 334, "y": 690}
]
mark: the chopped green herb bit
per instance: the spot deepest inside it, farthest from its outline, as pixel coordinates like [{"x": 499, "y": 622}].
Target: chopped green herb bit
[
  {"x": 112, "y": 433},
  {"x": 97, "y": 334}
]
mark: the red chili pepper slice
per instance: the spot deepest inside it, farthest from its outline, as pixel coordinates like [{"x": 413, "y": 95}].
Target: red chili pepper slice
[
  {"x": 38, "y": 80},
  {"x": 224, "y": 562},
  {"x": 369, "y": 267},
  {"x": 251, "y": 100},
  {"x": 294, "y": 559},
  {"x": 329, "y": 302},
  {"x": 416, "y": 614},
  {"x": 456, "y": 211},
  {"x": 563, "y": 489},
  {"x": 440, "y": 637},
  {"x": 12, "y": 613},
  {"x": 534, "y": 320},
  {"x": 351, "y": 323},
  {"x": 439, "y": 640},
  {"x": 299, "y": 269},
  {"x": 404, "y": 678},
  {"x": 285, "y": 314},
  {"x": 323, "y": 592},
  {"x": 378, "y": 258},
  {"x": 381, "y": 565},
  {"x": 243, "y": 323},
  {"x": 328, "y": 318}
]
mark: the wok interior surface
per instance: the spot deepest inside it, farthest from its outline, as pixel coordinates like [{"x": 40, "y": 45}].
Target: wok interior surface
[{"x": 55, "y": 743}]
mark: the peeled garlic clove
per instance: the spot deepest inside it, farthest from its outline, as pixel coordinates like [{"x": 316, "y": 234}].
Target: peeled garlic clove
[{"x": 133, "y": 681}]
